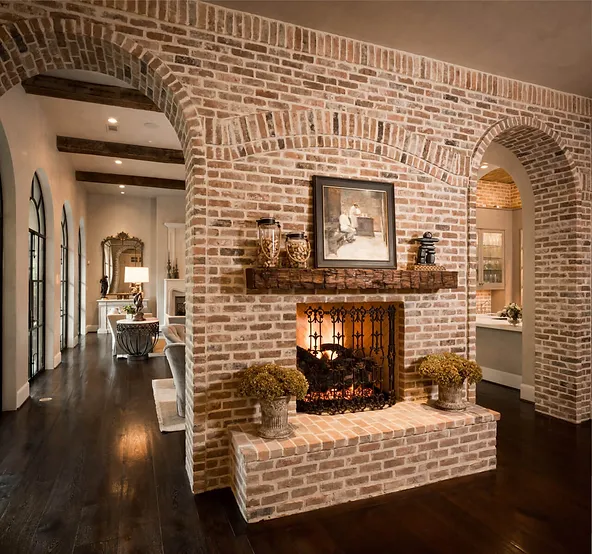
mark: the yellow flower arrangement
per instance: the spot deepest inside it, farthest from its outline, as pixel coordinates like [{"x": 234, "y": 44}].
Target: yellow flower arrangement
[
  {"x": 271, "y": 381},
  {"x": 450, "y": 369}
]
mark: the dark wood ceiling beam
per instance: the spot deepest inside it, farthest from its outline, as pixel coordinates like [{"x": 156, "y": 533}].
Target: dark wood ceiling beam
[
  {"x": 56, "y": 87},
  {"x": 119, "y": 150},
  {"x": 131, "y": 180}
]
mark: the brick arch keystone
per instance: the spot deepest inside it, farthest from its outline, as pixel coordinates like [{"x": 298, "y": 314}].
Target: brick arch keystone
[
  {"x": 33, "y": 46},
  {"x": 562, "y": 212},
  {"x": 261, "y": 132}
]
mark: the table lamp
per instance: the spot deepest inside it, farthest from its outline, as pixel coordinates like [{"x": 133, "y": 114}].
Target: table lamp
[{"x": 137, "y": 276}]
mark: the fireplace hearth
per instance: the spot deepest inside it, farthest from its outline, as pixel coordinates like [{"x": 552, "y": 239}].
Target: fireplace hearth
[{"x": 347, "y": 353}]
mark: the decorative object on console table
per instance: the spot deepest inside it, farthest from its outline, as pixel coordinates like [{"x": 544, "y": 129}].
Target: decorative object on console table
[
  {"x": 450, "y": 371},
  {"x": 137, "y": 338},
  {"x": 513, "y": 313},
  {"x": 426, "y": 254},
  {"x": 297, "y": 249},
  {"x": 354, "y": 223},
  {"x": 273, "y": 386},
  {"x": 137, "y": 276},
  {"x": 268, "y": 246},
  {"x": 129, "y": 311}
]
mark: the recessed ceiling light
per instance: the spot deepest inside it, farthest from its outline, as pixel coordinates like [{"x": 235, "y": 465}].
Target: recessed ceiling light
[
  {"x": 112, "y": 120},
  {"x": 122, "y": 192},
  {"x": 121, "y": 186},
  {"x": 484, "y": 165},
  {"x": 118, "y": 162}
]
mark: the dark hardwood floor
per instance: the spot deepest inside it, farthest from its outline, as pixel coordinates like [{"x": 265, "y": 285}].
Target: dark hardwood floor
[{"x": 89, "y": 472}]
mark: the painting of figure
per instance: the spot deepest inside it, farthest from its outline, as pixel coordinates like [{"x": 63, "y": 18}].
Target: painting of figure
[{"x": 354, "y": 223}]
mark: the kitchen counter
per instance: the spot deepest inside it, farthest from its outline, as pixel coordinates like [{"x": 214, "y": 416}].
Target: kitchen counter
[
  {"x": 499, "y": 351},
  {"x": 501, "y": 324}
]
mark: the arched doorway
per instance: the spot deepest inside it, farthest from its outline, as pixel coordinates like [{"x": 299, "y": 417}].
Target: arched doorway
[
  {"x": 64, "y": 270},
  {"x": 37, "y": 253},
  {"x": 88, "y": 47},
  {"x": 561, "y": 314}
]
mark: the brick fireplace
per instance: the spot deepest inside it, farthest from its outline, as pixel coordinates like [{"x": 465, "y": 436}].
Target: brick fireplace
[{"x": 364, "y": 428}]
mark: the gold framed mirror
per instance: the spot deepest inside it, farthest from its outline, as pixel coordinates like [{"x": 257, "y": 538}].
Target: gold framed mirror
[{"x": 119, "y": 251}]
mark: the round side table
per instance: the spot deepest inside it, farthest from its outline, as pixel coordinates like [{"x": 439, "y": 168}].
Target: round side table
[{"x": 137, "y": 338}]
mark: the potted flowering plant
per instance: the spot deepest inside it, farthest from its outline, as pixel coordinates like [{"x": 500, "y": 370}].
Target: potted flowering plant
[
  {"x": 273, "y": 385},
  {"x": 129, "y": 311},
  {"x": 513, "y": 313},
  {"x": 450, "y": 372}
]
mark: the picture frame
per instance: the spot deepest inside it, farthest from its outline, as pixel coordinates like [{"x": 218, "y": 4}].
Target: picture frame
[{"x": 354, "y": 223}]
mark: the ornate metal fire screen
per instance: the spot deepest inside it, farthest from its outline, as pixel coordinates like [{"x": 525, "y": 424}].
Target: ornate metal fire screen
[{"x": 355, "y": 369}]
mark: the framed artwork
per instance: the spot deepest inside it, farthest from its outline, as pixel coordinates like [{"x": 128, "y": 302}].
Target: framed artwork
[{"x": 354, "y": 223}]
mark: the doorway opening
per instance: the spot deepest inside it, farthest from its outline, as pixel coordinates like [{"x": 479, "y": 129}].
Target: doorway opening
[{"x": 500, "y": 276}]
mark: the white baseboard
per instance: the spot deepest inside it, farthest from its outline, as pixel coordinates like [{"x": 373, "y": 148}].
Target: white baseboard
[
  {"x": 92, "y": 328},
  {"x": 21, "y": 395},
  {"x": 502, "y": 378},
  {"x": 527, "y": 393},
  {"x": 57, "y": 360}
]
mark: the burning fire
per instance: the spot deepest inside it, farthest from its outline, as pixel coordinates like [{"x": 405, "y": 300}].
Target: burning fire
[{"x": 348, "y": 393}]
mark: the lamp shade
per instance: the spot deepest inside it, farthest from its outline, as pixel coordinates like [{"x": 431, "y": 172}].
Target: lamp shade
[{"x": 136, "y": 275}]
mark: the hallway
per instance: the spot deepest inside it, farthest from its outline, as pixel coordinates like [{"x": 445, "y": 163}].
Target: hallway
[{"x": 90, "y": 472}]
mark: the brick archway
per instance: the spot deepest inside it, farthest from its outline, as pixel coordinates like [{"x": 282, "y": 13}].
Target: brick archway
[
  {"x": 562, "y": 263},
  {"x": 34, "y": 46},
  {"x": 263, "y": 132}
]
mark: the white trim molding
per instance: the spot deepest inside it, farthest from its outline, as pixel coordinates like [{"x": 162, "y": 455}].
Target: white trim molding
[
  {"x": 57, "y": 360},
  {"x": 21, "y": 395},
  {"x": 502, "y": 378},
  {"x": 527, "y": 393}
]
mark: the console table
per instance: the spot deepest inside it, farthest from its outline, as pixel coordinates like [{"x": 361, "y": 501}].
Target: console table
[
  {"x": 112, "y": 306},
  {"x": 137, "y": 338}
]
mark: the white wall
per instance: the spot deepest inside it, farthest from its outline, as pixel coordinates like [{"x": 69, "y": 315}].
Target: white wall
[
  {"x": 169, "y": 209},
  {"x": 141, "y": 217},
  {"x": 27, "y": 145}
]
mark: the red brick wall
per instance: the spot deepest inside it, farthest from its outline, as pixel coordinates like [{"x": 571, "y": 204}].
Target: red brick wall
[
  {"x": 279, "y": 103},
  {"x": 498, "y": 195}
]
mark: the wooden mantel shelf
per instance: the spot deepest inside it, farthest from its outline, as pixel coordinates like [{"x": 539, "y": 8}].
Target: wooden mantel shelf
[{"x": 260, "y": 278}]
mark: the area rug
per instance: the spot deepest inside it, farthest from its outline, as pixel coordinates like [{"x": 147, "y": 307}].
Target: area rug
[
  {"x": 165, "y": 398},
  {"x": 158, "y": 349}
]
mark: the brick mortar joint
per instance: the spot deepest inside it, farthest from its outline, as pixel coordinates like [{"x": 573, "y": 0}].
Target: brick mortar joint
[{"x": 546, "y": 93}]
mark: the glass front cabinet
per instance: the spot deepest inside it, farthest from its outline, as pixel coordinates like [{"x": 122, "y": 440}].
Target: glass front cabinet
[{"x": 491, "y": 272}]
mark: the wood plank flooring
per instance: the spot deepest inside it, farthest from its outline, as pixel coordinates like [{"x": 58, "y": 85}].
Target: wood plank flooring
[{"x": 90, "y": 472}]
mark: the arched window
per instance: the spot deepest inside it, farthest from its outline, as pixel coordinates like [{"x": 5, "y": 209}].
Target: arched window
[
  {"x": 37, "y": 249},
  {"x": 64, "y": 283},
  {"x": 79, "y": 281}
]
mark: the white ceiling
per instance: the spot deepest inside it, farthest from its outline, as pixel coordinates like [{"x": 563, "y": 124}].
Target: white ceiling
[
  {"x": 86, "y": 120},
  {"x": 144, "y": 192},
  {"x": 548, "y": 42}
]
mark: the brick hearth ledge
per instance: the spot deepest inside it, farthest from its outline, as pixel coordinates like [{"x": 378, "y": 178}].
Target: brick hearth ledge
[{"x": 335, "y": 459}]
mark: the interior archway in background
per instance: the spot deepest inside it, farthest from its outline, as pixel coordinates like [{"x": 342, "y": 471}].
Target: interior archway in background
[{"x": 561, "y": 314}]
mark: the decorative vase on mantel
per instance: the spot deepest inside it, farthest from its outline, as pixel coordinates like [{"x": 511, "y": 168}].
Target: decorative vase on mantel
[
  {"x": 273, "y": 385},
  {"x": 513, "y": 321}
]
